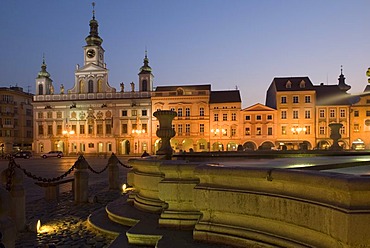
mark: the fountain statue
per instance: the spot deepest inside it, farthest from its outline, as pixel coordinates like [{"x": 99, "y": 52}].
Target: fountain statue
[
  {"x": 335, "y": 135},
  {"x": 165, "y": 131}
]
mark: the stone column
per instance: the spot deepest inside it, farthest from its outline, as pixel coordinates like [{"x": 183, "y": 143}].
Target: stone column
[
  {"x": 81, "y": 176},
  {"x": 335, "y": 135},
  {"x": 165, "y": 131},
  {"x": 113, "y": 172},
  {"x": 17, "y": 195},
  {"x": 7, "y": 225}
]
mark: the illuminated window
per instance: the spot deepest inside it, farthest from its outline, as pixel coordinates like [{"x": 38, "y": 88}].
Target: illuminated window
[
  {"x": 307, "y": 99},
  {"x": 50, "y": 129},
  {"x": 332, "y": 113},
  {"x": 215, "y": 117},
  {"x": 307, "y": 129},
  {"x": 108, "y": 128},
  {"x": 233, "y": 116},
  {"x": 59, "y": 115},
  {"x": 144, "y": 126},
  {"x": 59, "y": 130},
  {"x": 134, "y": 112},
  {"x": 224, "y": 117},
  {"x": 90, "y": 129},
  {"x": 179, "y": 112},
  {"x": 322, "y": 130},
  {"x": 283, "y": 130},
  {"x": 40, "y": 115},
  {"x": 283, "y": 99},
  {"x": 295, "y": 99},
  {"x": 49, "y": 115},
  {"x": 258, "y": 131},
  {"x": 247, "y": 131},
  {"x": 356, "y": 127},
  {"x": 342, "y": 130},
  {"x": 233, "y": 131}
]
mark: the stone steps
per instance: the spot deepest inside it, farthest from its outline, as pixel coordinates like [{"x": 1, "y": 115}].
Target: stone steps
[{"x": 135, "y": 228}]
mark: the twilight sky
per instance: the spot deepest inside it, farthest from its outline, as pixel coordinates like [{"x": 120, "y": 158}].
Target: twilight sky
[{"x": 225, "y": 43}]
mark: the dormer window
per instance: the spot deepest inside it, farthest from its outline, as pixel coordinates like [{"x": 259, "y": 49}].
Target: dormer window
[
  {"x": 180, "y": 92},
  {"x": 302, "y": 84},
  {"x": 288, "y": 85}
]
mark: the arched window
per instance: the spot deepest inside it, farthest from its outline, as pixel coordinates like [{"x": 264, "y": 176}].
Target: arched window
[
  {"x": 100, "y": 85},
  {"x": 81, "y": 87},
  {"x": 144, "y": 85},
  {"x": 41, "y": 89},
  {"x": 90, "y": 86}
]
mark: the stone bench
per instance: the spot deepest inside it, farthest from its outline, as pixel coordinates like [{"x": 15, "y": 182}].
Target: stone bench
[{"x": 52, "y": 188}]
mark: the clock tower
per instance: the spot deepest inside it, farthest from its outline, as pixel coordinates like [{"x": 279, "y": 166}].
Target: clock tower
[
  {"x": 145, "y": 76},
  {"x": 92, "y": 77},
  {"x": 93, "y": 51}
]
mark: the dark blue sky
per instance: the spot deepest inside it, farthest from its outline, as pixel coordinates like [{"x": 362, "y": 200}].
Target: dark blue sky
[{"x": 226, "y": 43}]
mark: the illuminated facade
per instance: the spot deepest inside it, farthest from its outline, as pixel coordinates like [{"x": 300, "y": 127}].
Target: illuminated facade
[
  {"x": 93, "y": 117},
  {"x": 294, "y": 99},
  {"x": 16, "y": 120},
  {"x": 258, "y": 127}
]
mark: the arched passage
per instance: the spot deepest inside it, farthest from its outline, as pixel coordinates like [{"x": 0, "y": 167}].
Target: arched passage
[{"x": 249, "y": 146}]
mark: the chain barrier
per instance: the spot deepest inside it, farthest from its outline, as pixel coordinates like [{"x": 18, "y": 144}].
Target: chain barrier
[
  {"x": 124, "y": 165},
  {"x": 13, "y": 164},
  {"x": 98, "y": 172}
]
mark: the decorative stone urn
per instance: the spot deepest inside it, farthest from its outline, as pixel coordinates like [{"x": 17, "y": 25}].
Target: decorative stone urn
[
  {"x": 335, "y": 135},
  {"x": 165, "y": 131}
]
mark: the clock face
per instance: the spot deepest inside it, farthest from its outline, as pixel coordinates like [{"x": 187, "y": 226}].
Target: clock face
[{"x": 90, "y": 53}]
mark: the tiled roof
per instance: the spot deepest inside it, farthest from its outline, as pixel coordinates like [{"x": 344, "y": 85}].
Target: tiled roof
[
  {"x": 225, "y": 96},
  {"x": 295, "y": 83}
]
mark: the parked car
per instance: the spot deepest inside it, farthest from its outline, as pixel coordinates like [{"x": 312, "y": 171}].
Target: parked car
[
  {"x": 57, "y": 154},
  {"x": 22, "y": 154}
]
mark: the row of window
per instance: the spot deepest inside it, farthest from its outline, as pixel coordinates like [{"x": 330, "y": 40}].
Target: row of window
[
  {"x": 89, "y": 129},
  {"x": 258, "y": 117},
  {"x": 295, "y": 99},
  {"x": 14, "y": 133},
  {"x": 295, "y": 114},
  {"x": 224, "y": 117},
  {"x": 333, "y": 113}
]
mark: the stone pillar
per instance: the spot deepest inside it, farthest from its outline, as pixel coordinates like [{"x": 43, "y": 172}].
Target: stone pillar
[
  {"x": 113, "y": 172},
  {"x": 81, "y": 181},
  {"x": 335, "y": 135},
  {"x": 18, "y": 198},
  {"x": 7, "y": 225},
  {"x": 165, "y": 131}
]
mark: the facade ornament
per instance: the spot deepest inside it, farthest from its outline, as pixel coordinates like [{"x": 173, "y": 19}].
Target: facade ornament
[
  {"x": 132, "y": 86},
  {"x": 61, "y": 89},
  {"x": 122, "y": 87}
]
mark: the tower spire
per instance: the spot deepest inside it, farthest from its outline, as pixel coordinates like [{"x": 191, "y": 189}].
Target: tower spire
[
  {"x": 342, "y": 81},
  {"x": 146, "y": 68},
  {"x": 93, "y": 38}
]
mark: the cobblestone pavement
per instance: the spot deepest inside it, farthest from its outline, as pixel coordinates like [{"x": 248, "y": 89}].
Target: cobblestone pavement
[{"x": 64, "y": 223}]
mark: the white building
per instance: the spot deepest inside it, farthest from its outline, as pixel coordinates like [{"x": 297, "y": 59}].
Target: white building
[{"x": 93, "y": 117}]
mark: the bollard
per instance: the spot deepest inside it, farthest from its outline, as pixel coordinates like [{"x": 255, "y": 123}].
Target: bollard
[
  {"x": 81, "y": 181},
  {"x": 7, "y": 225},
  {"x": 113, "y": 172},
  {"x": 17, "y": 196}
]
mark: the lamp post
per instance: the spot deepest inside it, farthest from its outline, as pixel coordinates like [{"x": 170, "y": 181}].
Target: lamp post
[
  {"x": 217, "y": 132},
  {"x": 297, "y": 130},
  {"x": 66, "y": 134}
]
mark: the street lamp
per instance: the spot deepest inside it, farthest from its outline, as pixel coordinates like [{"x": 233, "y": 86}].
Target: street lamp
[
  {"x": 297, "y": 130},
  {"x": 216, "y": 132},
  {"x": 66, "y": 135}
]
